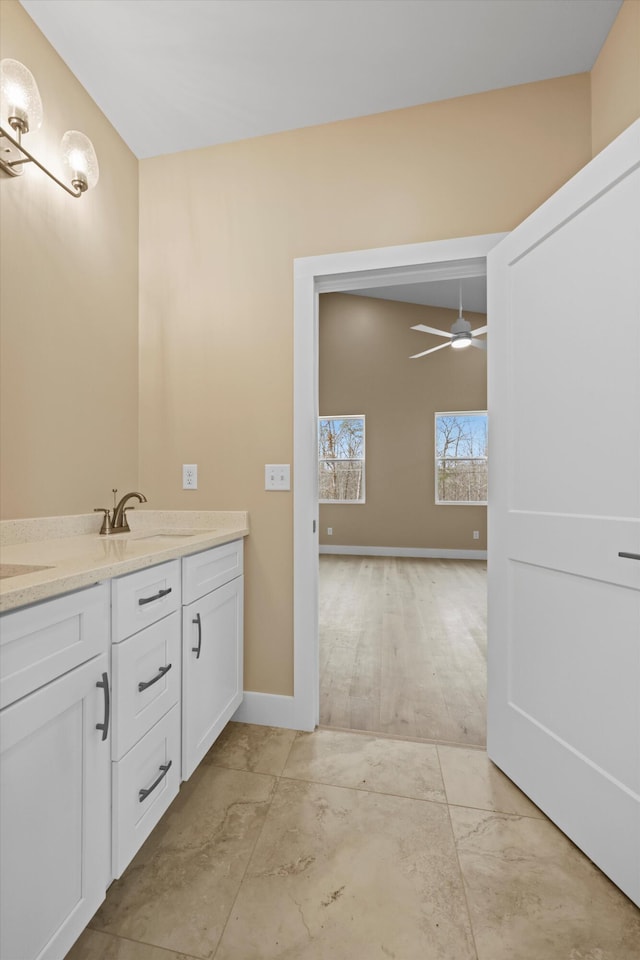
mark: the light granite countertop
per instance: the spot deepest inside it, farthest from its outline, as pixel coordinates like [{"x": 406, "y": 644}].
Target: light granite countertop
[{"x": 67, "y": 553}]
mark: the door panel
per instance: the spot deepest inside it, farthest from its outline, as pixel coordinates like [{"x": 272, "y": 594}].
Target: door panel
[
  {"x": 212, "y": 669},
  {"x": 556, "y": 618},
  {"x": 564, "y": 608},
  {"x": 55, "y": 814}
]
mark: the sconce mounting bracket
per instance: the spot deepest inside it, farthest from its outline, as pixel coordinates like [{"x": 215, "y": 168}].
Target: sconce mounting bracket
[{"x": 11, "y": 157}]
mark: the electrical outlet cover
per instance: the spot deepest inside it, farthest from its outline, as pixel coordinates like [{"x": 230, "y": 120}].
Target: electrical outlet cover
[{"x": 189, "y": 476}]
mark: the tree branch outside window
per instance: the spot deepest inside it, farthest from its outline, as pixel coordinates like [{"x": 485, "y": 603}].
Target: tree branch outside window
[
  {"x": 461, "y": 457},
  {"x": 341, "y": 459}
]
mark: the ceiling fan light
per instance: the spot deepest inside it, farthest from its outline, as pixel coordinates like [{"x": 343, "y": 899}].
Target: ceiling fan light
[{"x": 461, "y": 341}]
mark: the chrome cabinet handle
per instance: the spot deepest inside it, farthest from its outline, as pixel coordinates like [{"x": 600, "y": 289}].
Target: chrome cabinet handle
[
  {"x": 104, "y": 726},
  {"x": 629, "y": 556},
  {"x": 143, "y": 794},
  {"x": 149, "y": 683},
  {"x": 160, "y": 593},
  {"x": 196, "y": 650}
]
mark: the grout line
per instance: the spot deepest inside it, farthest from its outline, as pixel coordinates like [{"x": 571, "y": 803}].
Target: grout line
[
  {"x": 248, "y": 863},
  {"x": 293, "y": 740},
  {"x": 380, "y": 793},
  {"x": 143, "y": 943},
  {"x": 500, "y": 813},
  {"x": 403, "y": 796},
  {"x": 461, "y": 874},
  {"x": 402, "y": 737}
]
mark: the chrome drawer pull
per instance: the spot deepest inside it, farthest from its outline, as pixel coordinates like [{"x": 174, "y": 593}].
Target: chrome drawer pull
[
  {"x": 104, "y": 726},
  {"x": 158, "y": 595},
  {"x": 198, "y": 623},
  {"x": 143, "y": 794},
  {"x": 149, "y": 683},
  {"x": 629, "y": 556}
]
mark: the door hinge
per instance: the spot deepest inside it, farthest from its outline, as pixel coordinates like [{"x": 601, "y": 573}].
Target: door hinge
[{"x": 314, "y": 526}]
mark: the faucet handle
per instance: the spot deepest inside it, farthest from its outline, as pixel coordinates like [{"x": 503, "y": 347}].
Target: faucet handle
[{"x": 106, "y": 523}]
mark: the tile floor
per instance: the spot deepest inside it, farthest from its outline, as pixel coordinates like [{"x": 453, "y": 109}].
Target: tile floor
[{"x": 341, "y": 846}]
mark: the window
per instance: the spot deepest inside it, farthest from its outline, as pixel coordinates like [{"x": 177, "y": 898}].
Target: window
[
  {"x": 341, "y": 459},
  {"x": 461, "y": 457}
]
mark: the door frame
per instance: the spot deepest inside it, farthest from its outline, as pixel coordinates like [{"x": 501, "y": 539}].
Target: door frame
[{"x": 354, "y": 270}]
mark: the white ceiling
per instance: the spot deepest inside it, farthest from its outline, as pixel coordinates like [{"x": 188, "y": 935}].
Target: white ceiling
[
  {"x": 436, "y": 293},
  {"x": 173, "y": 75}
]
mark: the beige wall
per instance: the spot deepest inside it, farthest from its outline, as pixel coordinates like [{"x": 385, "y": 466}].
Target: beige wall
[
  {"x": 219, "y": 229},
  {"x": 615, "y": 78},
  {"x": 365, "y": 344},
  {"x": 68, "y": 307}
]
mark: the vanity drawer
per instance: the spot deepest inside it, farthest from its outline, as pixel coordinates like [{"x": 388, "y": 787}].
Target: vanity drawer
[
  {"x": 145, "y": 782},
  {"x": 139, "y": 599},
  {"x": 41, "y": 642},
  {"x": 204, "y": 572},
  {"x": 151, "y": 658}
]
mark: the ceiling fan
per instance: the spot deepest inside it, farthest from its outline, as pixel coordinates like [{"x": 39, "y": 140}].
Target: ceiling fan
[{"x": 461, "y": 335}]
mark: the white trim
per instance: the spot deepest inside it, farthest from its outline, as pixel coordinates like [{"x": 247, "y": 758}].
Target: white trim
[
  {"x": 429, "y": 552},
  {"x": 357, "y": 269},
  {"x": 268, "y": 710}
]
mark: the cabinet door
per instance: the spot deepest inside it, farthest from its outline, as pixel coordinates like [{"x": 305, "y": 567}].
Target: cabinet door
[
  {"x": 212, "y": 669},
  {"x": 54, "y": 828}
]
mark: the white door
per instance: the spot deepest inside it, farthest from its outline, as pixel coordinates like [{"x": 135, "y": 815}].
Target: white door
[{"x": 564, "y": 606}]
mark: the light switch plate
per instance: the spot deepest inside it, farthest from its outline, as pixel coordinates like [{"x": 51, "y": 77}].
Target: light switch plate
[{"x": 277, "y": 476}]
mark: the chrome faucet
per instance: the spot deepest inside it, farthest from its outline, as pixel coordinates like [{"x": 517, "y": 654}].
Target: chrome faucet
[{"x": 117, "y": 523}]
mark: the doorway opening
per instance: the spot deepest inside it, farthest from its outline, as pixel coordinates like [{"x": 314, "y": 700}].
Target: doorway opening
[
  {"x": 354, "y": 271},
  {"x": 402, "y": 488}
]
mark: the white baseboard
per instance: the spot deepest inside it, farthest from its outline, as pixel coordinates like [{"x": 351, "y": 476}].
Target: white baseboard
[
  {"x": 269, "y": 710},
  {"x": 431, "y": 552}
]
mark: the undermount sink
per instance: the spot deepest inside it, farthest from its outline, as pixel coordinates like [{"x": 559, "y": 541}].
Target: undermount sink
[
  {"x": 159, "y": 535},
  {"x": 156, "y": 536},
  {"x": 19, "y": 569}
]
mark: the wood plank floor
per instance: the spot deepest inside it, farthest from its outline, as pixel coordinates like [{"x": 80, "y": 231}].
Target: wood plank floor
[{"x": 403, "y": 647}]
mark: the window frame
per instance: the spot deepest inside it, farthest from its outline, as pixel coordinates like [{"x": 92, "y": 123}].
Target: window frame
[
  {"x": 437, "y": 459},
  {"x": 362, "y": 460}
]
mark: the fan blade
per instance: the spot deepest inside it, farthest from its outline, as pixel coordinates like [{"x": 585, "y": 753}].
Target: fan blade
[
  {"x": 479, "y": 344},
  {"x": 433, "y": 350},
  {"x": 478, "y": 331},
  {"x": 439, "y": 333}
]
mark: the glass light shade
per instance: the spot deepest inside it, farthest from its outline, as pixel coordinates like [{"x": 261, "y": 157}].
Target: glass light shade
[
  {"x": 462, "y": 341},
  {"x": 80, "y": 159},
  {"x": 19, "y": 95}
]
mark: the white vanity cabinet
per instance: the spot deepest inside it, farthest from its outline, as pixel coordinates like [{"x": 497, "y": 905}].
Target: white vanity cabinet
[
  {"x": 146, "y": 689},
  {"x": 55, "y": 767},
  {"x": 212, "y": 647}
]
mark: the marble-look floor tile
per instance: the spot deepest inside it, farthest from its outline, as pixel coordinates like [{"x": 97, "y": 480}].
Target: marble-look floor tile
[
  {"x": 471, "y": 780},
  {"x": 365, "y": 762},
  {"x": 94, "y": 945},
  {"x": 178, "y": 890},
  {"x": 247, "y": 746},
  {"x": 341, "y": 874},
  {"x": 534, "y": 896}
]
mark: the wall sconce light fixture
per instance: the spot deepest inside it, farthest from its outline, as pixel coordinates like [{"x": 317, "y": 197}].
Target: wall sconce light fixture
[{"x": 21, "y": 110}]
